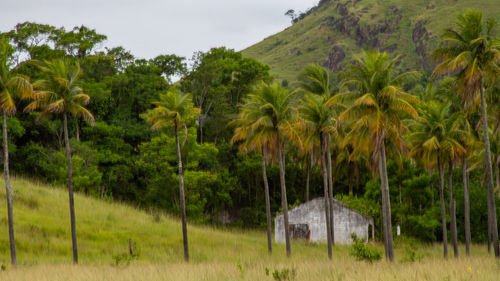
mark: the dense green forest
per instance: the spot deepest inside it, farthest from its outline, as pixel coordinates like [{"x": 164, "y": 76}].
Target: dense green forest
[{"x": 431, "y": 135}]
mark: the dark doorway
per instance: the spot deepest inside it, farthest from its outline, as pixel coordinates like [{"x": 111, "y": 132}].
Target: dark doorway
[{"x": 299, "y": 231}]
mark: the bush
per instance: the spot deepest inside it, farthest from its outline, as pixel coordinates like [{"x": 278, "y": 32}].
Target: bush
[
  {"x": 361, "y": 251},
  {"x": 285, "y": 274},
  {"x": 411, "y": 255}
]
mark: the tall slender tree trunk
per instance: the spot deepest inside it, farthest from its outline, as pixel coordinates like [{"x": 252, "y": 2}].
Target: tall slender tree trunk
[
  {"x": 8, "y": 193},
  {"x": 283, "y": 195},
  {"x": 356, "y": 170},
  {"x": 386, "y": 205},
  {"x": 330, "y": 188},
  {"x": 489, "y": 233},
  {"x": 182, "y": 197},
  {"x": 465, "y": 175},
  {"x": 70, "y": 190},
  {"x": 200, "y": 125},
  {"x": 431, "y": 186},
  {"x": 443, "y": 208},
  {"x": 453, "y": 219},
  {"x": 497, "y": 176},
  {"x": 268, "y": 204},
  {"x": 489, "y": 174},
  {"x": 326, "y": 198},
  {"x": 350, "y": 177},
  {"x": 309, "y": 164},
  {"x": 77, "y": 125}
]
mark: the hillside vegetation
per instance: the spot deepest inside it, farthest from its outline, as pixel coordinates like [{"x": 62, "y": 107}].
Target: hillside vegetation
[
  {"x": 43, "y": 237},
  {"x": 337, "y": 29}
]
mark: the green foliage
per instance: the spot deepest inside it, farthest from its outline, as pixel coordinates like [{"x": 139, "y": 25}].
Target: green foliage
[
  {"x": 86, "y": 177},
  {"x": 362, "y": 251},
  {"x": 221, "y": 78},
  {"x": 411, "y": 255},
  {"x": 285, "y": 274}
]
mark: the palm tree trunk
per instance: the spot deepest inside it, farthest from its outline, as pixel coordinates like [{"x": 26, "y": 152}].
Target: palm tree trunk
[
  {"x": 283, "y": 195},
  {"x": 200, "y": 125},
  {"x": 327, "y": 201},
  {"x": 6, "y": 174},
  {"x": 489, "y": 174},
  {"x": 70, "y": 190},
  {"x": 453, "y": 219},
  {"x": 386, "y": 205},
  {"x": 268, "y": 204},
  {"x": 182, "y": 198},
  {"x": 350, "y": 177},
  {"x": 356, "y": 170},
  {"x": 443, "y": 208},
  {"x": 497, "y": 177},
  {"x": 309, "y": 164},
  {"x": 465, "y": 175},
  {"x": 77, "y": 125},
  {"x": 330, "y": 189}
]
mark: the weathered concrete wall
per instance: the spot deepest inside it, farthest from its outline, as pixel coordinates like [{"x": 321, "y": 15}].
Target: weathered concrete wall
[{"x": 312, "y": 213}]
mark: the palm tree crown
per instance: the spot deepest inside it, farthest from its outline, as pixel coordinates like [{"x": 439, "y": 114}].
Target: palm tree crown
[
  {"x": 12, "y": 85},
  {"x": 60, "y": 91},
  {"x": 378, "y": 103},
  {"x": 470, "y": 52},
  {"x": 174, "y": 109},
  {"x": 436, "y": 133}
]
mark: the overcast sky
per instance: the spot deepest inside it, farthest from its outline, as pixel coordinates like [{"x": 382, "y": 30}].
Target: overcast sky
[{"x": 151, "y": 27}]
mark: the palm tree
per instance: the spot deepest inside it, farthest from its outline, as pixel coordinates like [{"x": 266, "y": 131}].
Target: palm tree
[
  {"x": 255, "y": 135},
  {"x": 318, "y": 80},
  {"x": 60, "y": 93},
  {"x": 436, "y": 137},
  {"x": 378, "y": 106},
  {"x": 470, "y": 52},
  {"x": 11, "y": 85},
  {"x": 273, "y": 106},
  {"x": 175, "y": 109},
  {"x": 319, "y": 123}
]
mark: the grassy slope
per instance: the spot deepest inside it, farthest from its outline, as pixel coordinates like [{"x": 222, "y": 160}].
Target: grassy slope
[
  {"x": 314, "y": 38},
  {"x": 44, "y": 247}
]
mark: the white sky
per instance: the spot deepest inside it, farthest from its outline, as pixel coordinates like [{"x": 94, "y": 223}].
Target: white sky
[{"x": 151, "y": 27}]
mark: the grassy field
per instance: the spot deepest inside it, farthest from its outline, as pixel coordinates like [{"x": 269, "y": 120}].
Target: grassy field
[{"x": 44, "y": 248}]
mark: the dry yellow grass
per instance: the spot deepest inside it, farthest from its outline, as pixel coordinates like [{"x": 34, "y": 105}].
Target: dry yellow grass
[
  {"x": 44, "y": 248},
  {"x": 346, "y": 269}
]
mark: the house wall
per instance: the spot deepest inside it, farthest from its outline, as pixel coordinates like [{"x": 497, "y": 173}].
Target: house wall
[{"x": 346, "y": 221}]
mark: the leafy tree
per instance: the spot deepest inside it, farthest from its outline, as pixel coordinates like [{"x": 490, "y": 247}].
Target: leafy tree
[
  {"x": 32, "y": 39},
  {"x": 12, "y": 85},
  {"x": 170, "y": 65},
  {"x": 378, "y": 106},
  {"x": 60, "y": 94},
  {"x": 471, "y": 53},
  {"x": 219, "y": 80},
  {"x": 175, "y": 109},
  {"x": 78, "y": 42}
]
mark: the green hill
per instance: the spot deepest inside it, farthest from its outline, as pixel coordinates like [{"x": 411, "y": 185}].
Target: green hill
[{"x": 336, "y": 29}]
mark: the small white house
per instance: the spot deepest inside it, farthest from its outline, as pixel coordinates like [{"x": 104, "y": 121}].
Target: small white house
[{"x": 307, "y": 221}]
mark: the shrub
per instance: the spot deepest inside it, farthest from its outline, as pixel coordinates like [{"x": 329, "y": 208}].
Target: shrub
[
  {"x": 411, "y": 255},
  {"x": 285, "y": 274},
  {"x": 361, "y": 251}
]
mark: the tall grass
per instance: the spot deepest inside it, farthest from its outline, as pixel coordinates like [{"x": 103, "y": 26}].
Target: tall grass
[{"x": 43, "y": 241}]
